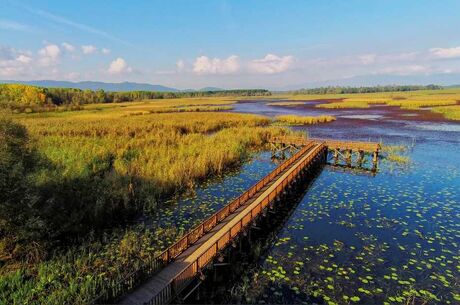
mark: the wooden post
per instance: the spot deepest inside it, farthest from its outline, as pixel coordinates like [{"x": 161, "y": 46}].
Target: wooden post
[
  {"x": 360, "y": 158},
  {"x": 348, "y": 157},
  {"x": 375, "y": 157},
  {"x": 375, "y": 160}
]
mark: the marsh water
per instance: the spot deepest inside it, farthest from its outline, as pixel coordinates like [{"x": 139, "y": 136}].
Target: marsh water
[{"x": 353, "y": 238}]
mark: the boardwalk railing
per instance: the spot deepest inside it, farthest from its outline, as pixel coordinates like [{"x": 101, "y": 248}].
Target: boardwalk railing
[
  {"x": 332, "y": 144},
  {"x": 178, "y": 283},
  {"x": 150, "y": 267}
]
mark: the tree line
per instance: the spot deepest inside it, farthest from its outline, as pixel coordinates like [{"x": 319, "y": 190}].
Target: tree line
[
  {"x": 373, "y": 89},
  {"x": 22, "y": 97}
]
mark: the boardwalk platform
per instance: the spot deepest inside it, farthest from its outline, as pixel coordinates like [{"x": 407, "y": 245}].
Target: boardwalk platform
[
  {"x": 368, "y": 147},
  {"x": 161, "y": 281},
  {"x": 345, "y": 151}
]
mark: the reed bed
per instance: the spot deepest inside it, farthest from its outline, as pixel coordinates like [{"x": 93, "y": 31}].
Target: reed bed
[
  {"x": 415, "y": 104},
  {"x": 344, "y": 104},
  {"x": 450, "y": 112},
  {"x": 170, "y": 150},
  {"x": 181, "y": 109},
  {"x": 439, "y": 101},
  {"x": 162, "y": 103},
  {"x": 304, "y": 120},
  {"x": 436, "y": 101},
  {"x": 103, "y": 165}
]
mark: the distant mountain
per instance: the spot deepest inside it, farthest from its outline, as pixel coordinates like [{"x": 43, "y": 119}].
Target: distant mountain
[
  {"x": 446, "y": 79},
  {"x": 125, "y": 86}
]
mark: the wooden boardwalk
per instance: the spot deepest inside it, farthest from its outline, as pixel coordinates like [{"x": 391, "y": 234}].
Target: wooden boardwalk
[
  {"x": 171, "y": 272},
  {"x": 368, "y": 147},
  {"x": 341, "y": 150}
]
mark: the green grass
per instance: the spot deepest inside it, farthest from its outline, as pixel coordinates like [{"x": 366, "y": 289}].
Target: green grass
[{"x": 98, "y": 165}]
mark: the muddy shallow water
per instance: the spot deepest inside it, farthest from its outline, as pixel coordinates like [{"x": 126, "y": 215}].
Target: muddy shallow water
[{"x": 392, "y": 238}]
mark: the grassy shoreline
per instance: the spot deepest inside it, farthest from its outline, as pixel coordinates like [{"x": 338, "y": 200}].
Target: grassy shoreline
[
  {"x": 97, "y": 167},
  {"x": 445, "y": 101},
  {"x": 304, "y": 120}
]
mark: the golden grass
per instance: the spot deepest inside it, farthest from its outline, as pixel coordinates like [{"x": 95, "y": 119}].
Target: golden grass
[
  {"x": 146, "y": 105},
  {"x": 169, "y": 150},
  {"x": 344, "y": 104},
  {"x": 304, "y": 120},
  {"x": 139, "y": 160},
  {"x": 414, "y": 104},
  {"x": 181, "y": 109},
  {"x": 440, "y": 101},
  {"x": 449, "y": 112}
]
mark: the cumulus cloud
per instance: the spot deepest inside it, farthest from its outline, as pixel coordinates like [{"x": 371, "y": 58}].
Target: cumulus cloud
[
  {"x": 119, "y": 66},
  {"x": 13, "y": 62},
  {"x": 49, "y": 55},
  {"x": 271, "y": 64},
  {"x": 206, "y": 65},
  {"x": 68, "y": 47},
  {"x": 105, "y": 51},
  {"x": 24, "y": 59},
  {"x": 88, "y": 49},
  {"x": 445, "y": 52}
]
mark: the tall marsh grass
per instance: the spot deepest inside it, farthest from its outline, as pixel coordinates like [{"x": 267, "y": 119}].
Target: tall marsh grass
[
  {"x": 450, "y": 112},
  {"x": 304, "y": 120},
  {"x": 446, "y": 102},
  {"x": 98, "y": 166}
]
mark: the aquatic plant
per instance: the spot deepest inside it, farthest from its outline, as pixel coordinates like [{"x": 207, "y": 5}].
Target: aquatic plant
[{"x": 385, "y": 242}]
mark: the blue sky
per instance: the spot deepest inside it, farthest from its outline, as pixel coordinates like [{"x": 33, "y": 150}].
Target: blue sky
[{"x": 197, "y": 43}]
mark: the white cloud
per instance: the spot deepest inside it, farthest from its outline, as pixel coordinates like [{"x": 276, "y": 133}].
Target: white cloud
[
  {"x": 445, "y": 52},
  {"x": 13, "y": 62},
  {"x": 88, "y": 49},
  {"x": 49, "y": 55},
  {"x": 24, "y": 59},
  {"x": 119, "y": 66},
  {"x": 105, "y": 51},
  {"x": 68, "y": 47},
  {"x": 271, "y": 64},
  {"x": 206, "y": 65},
  {"x": 180, "y": 65},
  {"x": 50, "y": 50}
]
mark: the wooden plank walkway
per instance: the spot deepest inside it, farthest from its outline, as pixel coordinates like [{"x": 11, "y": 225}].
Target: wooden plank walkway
[
  {"x": 369, "y": 147},
  {"x": 189, "y": 255}
]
